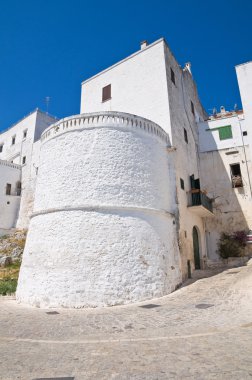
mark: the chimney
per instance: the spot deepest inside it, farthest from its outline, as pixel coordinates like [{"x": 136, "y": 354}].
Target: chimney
[
  {"x": 144, "y": 44},
  {"x": 188, "y": 67},
  {"x": 222, "y": 109}
]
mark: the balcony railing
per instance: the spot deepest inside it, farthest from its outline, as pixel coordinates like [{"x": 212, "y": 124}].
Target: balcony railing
[{"x": 199, "y": 198}]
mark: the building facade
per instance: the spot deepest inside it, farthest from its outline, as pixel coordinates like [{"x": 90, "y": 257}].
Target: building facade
[
  {"x": 19, "y": 149},
  {"x": 132, "y": 194}
]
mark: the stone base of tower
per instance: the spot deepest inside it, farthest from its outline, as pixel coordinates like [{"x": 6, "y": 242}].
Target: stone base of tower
[{"x": 99, "y": 258}]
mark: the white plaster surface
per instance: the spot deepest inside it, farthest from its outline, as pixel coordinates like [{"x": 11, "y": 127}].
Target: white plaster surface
[
  {"x": 103, "y": 228},
  {"x": 138, "y": 86},
  {"x": 141, "y": 84},
  {"x": 209, "y": 136},
  {"x": 244, "y": 76},
  {"x": 34, "y": 124},
  {"x": 9, "y": 204},
  {"x": 232, "y": 206}
]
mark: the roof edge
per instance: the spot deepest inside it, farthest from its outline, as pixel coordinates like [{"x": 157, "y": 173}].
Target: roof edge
[{"x": 162, "y": 39}]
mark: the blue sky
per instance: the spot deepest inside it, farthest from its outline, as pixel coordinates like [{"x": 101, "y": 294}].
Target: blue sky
[{"x": 48, "y": 47}]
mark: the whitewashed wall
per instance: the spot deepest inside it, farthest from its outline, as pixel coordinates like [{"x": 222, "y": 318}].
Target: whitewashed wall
[
  {"x": 22, "y": 146},
  {"x": 232, "y": 206},
  {"x": 28, "y": 147},
  {"x": 103, "y": 229},
  {"x": 138, "y": 86},
  {"x": 244, "y": 76},
  {"x": 141, "y": 84},
  {"x": 209, "y": 140},
  {"x": 9, "y": 204},
  {"x": 185, "y": 156}
]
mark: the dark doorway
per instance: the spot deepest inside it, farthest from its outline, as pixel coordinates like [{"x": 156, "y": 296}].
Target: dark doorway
[{"x": 196, "y": 248}]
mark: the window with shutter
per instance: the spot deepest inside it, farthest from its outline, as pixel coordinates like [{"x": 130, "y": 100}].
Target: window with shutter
[
  {"x": 225, "y": 132},
  {"x": 106, "y": 93},
  {"x": 8, "y": 189}
]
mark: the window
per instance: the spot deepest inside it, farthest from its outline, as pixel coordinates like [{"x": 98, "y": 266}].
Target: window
[
  {"x": 13, "y": 140},
  {"x": 236, "y": 176},
  {"x": 25, "y": 134},
  {"x": 106, "y": 93},
  {"x": 192, "y": 108},
  {"x": 18, "y": 188},
  {"x": 1, "y": 148},
  {"x": 225, "y": 132},
  {"x": 8, "y": 189},
  {"x": 185, "y": 136},
  {"x": 245, "y": 133},
  {"x": 24, "y": 160},
  {"x": 173, "y": 76},
  {"x": 182, "y": 184}
]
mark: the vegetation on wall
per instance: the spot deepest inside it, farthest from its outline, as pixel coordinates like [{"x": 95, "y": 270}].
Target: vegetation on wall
[
  {"x": 232, "y": 245},
  {"x": 11, "y": 251},
  {"x": 9, "y": 278}
]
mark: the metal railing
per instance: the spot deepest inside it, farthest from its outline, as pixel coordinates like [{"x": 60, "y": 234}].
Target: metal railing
[{"x": 199, "y": 198}]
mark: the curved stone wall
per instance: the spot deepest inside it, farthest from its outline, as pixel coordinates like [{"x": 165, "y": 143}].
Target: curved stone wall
[{"x": 102, "y": 232}]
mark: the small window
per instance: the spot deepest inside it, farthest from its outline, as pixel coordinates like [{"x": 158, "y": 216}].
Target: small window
[
  {"x": 182, "y": 184},
  {"x": 106, "y": 93},
  {"x": 18, "y": 188},
  {"x": 173, "y": 76},
  {"x": 25, "y": 134},
  {"x": 8, "y": 189},
  {"x": 236, "y": 176},
  {"x": 192, "y": 108},
  {"x": 245, "y": 133},
  {"x": 1, "y": 148},
  {"x": 225, "y": 132},
  {"x": 13, "y": 140},
  {"x": 24, "y": 160},
  {"x": 185, "y": 136}
]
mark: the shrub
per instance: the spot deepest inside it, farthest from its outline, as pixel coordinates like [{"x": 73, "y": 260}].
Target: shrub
[
  {"x": 232, "y": 245},
  {"x": 8, "y": 286}
]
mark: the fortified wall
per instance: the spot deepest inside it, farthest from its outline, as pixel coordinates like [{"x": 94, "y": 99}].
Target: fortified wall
[{"x": 103, "y": 228}]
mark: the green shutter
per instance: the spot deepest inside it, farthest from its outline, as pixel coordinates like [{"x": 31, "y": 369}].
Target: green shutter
[{"x": 225, "y": 132}]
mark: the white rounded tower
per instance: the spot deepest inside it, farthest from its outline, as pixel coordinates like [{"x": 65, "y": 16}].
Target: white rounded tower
[{"x": 103, "y": 228}]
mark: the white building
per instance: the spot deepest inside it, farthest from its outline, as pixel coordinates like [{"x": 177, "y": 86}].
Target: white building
[
  {"x": 225, "y": 159},
  {"x": 133, "y": 193},
  {"x": 10, "y": 191},
  {"x": 20, "y": 146}
]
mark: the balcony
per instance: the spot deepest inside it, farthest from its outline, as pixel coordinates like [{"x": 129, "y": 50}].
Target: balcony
[{"x": 199, "y": 203}]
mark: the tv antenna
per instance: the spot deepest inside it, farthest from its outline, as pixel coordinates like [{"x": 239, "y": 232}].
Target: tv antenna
[{"x": 47, "y": 102}]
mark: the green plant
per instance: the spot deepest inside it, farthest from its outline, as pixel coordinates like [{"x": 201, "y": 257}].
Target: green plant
[
  {"x": 8, "y": 286},
  {"x": 231, "y": 245}
]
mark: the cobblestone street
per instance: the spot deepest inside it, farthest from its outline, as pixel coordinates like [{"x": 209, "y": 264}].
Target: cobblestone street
[{"x": 201, "y": 331}]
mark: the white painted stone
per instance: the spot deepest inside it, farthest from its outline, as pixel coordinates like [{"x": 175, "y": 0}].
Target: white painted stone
[
  {"x": 9, "y": 204},
  {"x": 244, "y": 76},
  {"x": 28, "y": 146},
  {"x": 103, "y": 228}
]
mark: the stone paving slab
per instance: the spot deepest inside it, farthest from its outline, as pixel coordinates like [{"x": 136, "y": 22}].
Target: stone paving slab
[{"x": 176, "y": 340}]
